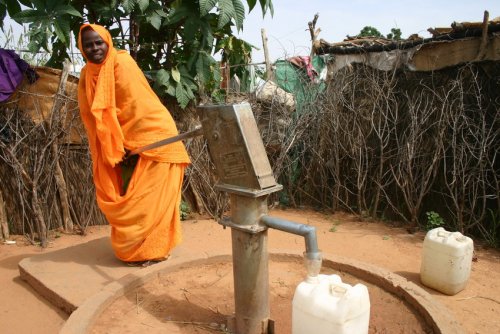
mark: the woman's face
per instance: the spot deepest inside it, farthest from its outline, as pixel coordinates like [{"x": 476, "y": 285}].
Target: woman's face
[{"x": 93, "y": 46}]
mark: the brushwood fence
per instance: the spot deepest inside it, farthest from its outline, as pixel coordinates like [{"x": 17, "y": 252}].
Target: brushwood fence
[
  {"x": 397, "y": 145},
  {"x": 384, "y": 145}
]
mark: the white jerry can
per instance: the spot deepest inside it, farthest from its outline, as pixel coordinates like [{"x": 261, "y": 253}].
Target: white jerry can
[
  {"x": 325, "y": 305},
  {"x": 446, "y": 261}
]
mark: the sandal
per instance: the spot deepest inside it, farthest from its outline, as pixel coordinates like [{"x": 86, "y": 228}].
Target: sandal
[{"x": 146, "y": 263}]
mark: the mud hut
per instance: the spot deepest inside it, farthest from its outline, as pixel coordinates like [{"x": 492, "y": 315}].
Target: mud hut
[
  {"x": 407, "y": 128},
  {"x": 45, "y": 167}
]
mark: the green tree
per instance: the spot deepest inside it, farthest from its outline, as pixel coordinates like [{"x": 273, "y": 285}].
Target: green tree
[
  {"x": 395, "y": 34},
  {"x": 369, "y": 31},
  {"x": 174, "y": 39}
]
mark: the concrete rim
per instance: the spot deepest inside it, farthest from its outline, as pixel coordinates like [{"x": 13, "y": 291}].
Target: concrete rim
[{"x": 434, "y": 314}]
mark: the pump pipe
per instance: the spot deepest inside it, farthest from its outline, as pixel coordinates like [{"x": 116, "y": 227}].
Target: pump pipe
[
  {"x": 312, "y": 256},
  {"x": 307, "y": 231}
]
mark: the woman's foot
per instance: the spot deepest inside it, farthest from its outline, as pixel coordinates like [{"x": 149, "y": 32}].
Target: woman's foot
[{"x": 146, "y": 263}]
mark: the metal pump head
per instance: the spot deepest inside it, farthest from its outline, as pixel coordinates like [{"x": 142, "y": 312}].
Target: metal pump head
[{"x": 237, "y": 150}]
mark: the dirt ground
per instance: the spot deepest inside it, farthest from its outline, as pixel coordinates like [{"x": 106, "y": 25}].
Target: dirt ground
[
  {"x": 477, "y": 307},
  {"x": 199, "y": 300}
]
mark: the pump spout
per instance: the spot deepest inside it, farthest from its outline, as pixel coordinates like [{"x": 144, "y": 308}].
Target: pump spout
[
  {"x": 312, "y": 255},
  {"x": 307, "y": 231}
]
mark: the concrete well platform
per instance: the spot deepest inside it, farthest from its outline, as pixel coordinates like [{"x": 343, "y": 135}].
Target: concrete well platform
[
  {"x": 84, "y": 279},
  {"x": 68, "y": 277}
]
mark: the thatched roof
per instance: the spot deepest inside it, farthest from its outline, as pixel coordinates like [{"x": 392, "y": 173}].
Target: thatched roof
[{"x": 460, "y": 43}]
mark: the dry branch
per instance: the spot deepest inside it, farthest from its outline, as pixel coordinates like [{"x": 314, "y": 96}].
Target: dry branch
[
  {"x": 4, "y": 226},
  {"x": 388, "y": 144},
  {"x": 55, "y": 125},
  {"x": 42, "y": 145}
]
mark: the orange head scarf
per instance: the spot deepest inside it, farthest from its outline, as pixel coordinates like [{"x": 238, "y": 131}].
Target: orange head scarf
[{"x": 100, "y": 92}]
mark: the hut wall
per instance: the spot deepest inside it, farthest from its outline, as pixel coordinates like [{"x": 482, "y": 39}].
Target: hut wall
[
  {"x": 398, "y": 144},
  {"x": 33, "y": 139}
]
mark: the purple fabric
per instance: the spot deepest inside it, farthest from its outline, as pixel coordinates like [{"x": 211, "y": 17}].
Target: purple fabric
[{"x": 12, "y": 69}]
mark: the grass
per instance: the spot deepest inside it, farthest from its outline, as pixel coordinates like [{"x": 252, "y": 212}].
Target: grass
[{"x": 335, "y": 223}]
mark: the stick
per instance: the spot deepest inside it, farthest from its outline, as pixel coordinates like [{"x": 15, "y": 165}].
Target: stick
[
  {"x": 484, "y": 37},
  {"x": 198, "y": 131},
  {"x": 59, "y": 176},
  {"x": 4, "y": 227},
  {"x": 269, "y": 70},
  {"x": 314, "y": 34}
]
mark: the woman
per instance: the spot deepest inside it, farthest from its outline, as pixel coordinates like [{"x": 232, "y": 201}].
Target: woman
[{"x": 121, "y": 112}]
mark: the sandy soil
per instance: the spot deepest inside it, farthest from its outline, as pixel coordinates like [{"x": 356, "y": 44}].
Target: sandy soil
[
  {"x": 199, "y": 300},
  {"x": 477, "y": 307}
]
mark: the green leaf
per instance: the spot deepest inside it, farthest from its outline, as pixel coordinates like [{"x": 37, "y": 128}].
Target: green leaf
[
  {"x": 271, "y": 8},
  {"x": 207, "y": 42},
  {"x": 143, "y": 5},
  {"x": 50, "y": 5},
  {"x": 62, "y": 28},
  {"x": 251, "y": 4},
  {"x": 188, "y": 82},
  {"x": 206, "y": 6},
  {"x": 155, "y": 20},
  {"x": 182, "y": 96},
  {"x": 191, "y": 27},
  {"x": 265, "y": 5},
  {"x": 38, "y": 39},
  {"x": 128, "y": 5},
  {"x": 34, "y": 46},
  {"x": 171, "y": 90},
  {"x": 67, "y": 9},
  {"x": 13, "y": 6},
  {"x": 222, "y": 43},
  {"x": 239, "y": 16},
  {"x": 3, "y": 14},
  {"x": 216, "y": 72},
  {"x": 160, "y": 12},
  {"x": 30, "y": 15},
  {"x": 59, "y": 53},
  {"x": 229, "y": 45},
  {"x": 37, "y": 4},
  {"x": 187, "y": 79},
  {"x": 189, "y": 92},
  {"x": 178, "y": 14},
  {"x": 176, "y": 75},
  {"x": 26, "y": 3},
  {"x": 203, "y": 65},
  {"x": 107, "y": 11},
  {"x": 162, "y": 77},
  {"x": 227, "y": 12},
  {"x": 185, "y": 73}
]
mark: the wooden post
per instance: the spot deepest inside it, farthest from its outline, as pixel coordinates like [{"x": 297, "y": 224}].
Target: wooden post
[
  {"x": 484, "y": 37},
  {"x": 31, "y": 183},
  {"x": 59, "y": 175},
  {"x": 314, "y": 33},
  {"x": 269, "y": 70},
  {"x": 4, "y": 226}
]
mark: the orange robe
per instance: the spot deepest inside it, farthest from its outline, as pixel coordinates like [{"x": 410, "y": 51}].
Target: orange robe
[{"x": 120, "y": 111}]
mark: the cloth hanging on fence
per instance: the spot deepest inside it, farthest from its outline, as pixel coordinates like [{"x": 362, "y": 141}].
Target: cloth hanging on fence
[
  {"x": 304, "y": 62},
  {"x": 296, "y": 79},
  {"x": 12, "y": 71}
]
